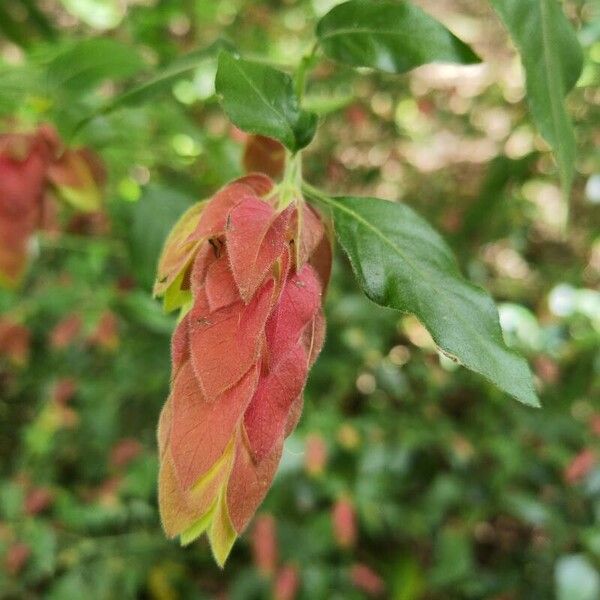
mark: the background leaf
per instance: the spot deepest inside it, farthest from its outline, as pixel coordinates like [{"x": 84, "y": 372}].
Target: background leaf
[
  {"x": 166, "y": 76},
  {"x": 14, "y": 85},
  {"x": 401, "y": 262},
  {"x": 389, "y": 36},
  {"x": 552, "y": 60},
  {"x": 88, "y": 63},
  {"x": 260, "y": 99},
  {"x": 153, "y": 216}
]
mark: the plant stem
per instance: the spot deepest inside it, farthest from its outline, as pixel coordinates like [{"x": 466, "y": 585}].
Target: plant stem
[
  {"x": 290, "y": 187},
  {"x": 293, "y": 170},
  {"x": 304, "y": 67}
]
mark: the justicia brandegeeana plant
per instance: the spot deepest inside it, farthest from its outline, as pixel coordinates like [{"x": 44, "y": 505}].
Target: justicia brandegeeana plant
[{"x": 248, "y": 268}]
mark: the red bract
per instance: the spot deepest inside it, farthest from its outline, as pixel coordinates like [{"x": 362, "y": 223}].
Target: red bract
[
  {"x": 315, "y": 455},
  {"x": 24, "y": 161},
  {"x": 78, "y": 176},
  {"x": 264, "y": 154},
  {"x": 344, "y": 523},
  {"x": 16, "y": 558},
  {"x": 243, "y": 269},
  {"x": 264, "y": 545},
  {"x": 64, "y": 390},
  {"x": 15, "y": 340},
  {"x": 106, "y": 333},
  {"x": 286, "y": 584},
  {"x": 124, "y": 451},
  {"x": 365, "y": 579},
  {"x": 66, "y": 331},
  {"x": 37, "y": 500},
  {"x": 580, "y": 466},
  {"x": 31, "y": 164}
]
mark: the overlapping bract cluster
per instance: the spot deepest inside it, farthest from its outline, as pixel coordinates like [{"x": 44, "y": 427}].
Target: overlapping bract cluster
[
  {"x": 251, "y": 278},
  {"x": 32, "y": 165}
]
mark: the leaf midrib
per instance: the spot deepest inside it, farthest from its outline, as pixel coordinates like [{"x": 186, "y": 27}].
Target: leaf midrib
[
  {"x": 493, "y": 376},
  {"x": 361, "y": 30},
  {"x": 550, "y": 79},
  {"x": 405, "y": 257},
  {"x": 142, "y": 87}
]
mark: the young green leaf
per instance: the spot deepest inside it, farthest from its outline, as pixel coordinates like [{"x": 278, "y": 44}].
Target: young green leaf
[
  {"x": 552, "y": 60},
  {"x": 390, "y": 36},
  {"x": 88, "y": 63},
  {"x": 162, "y": 80},
  {"x": 166, "y": 76},
  {"x": 16, "y": 82},
  {"x": 260, "y": 99},
  {"x": 401, "y": 262}
]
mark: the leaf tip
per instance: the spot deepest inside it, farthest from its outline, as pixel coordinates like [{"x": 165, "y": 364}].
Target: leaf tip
[{"x": 530, "y": 400}]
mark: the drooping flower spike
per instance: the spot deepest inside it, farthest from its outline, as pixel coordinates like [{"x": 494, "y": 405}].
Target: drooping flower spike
[
  {"x": 24, "y": 161},
  {"x": 249, "y": 277},
  {"x": 35, "y": 167}
]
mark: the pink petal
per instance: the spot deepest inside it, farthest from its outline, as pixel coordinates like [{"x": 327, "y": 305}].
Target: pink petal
[
  {"x": 214, "y": 216},
  {"x": 220, "y": 287},
  {"x": 317, "y": 338},
  {"x": 201, "y": 429},
  {"x": 264, "y": 155},
  {"x": 249, "y": 483},
  {"x": 255, "y": 238},
  {"x": 310, "y": 233},
  {"x": 204, "y": 259},
  {"x": 180, "y": 351},
  {"x": 322, "y": 258},
  {"x": 294, "y": 336},
  {"x": 259, "y": 183},
  {"x": 226, "y": 343},
  {"x": 315, "y": 335},
  {"x": 294, "y": 415},
  {"x": 299, "y": 302},
  {"x": 268, "y": 412}
]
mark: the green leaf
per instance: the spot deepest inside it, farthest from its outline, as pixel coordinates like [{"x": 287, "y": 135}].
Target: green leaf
[
  {"x": 552, "y": 60},
  {"x": 261, "y": 99},
  {"x": 88, "y": 63},
  {"x": 12, "y": 28},
  {"x": 15, "y": 84},
  {"x": 162, "y": 80},
  {"x": 39, "y": 20},
  {"x": 165, "y": 77},
  {"x": 401, "y": 262},
  {"x": 390, "y": 36}
]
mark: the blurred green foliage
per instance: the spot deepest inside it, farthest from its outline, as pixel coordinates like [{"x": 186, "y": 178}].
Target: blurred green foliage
[{"x": 458, "y": 492}]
